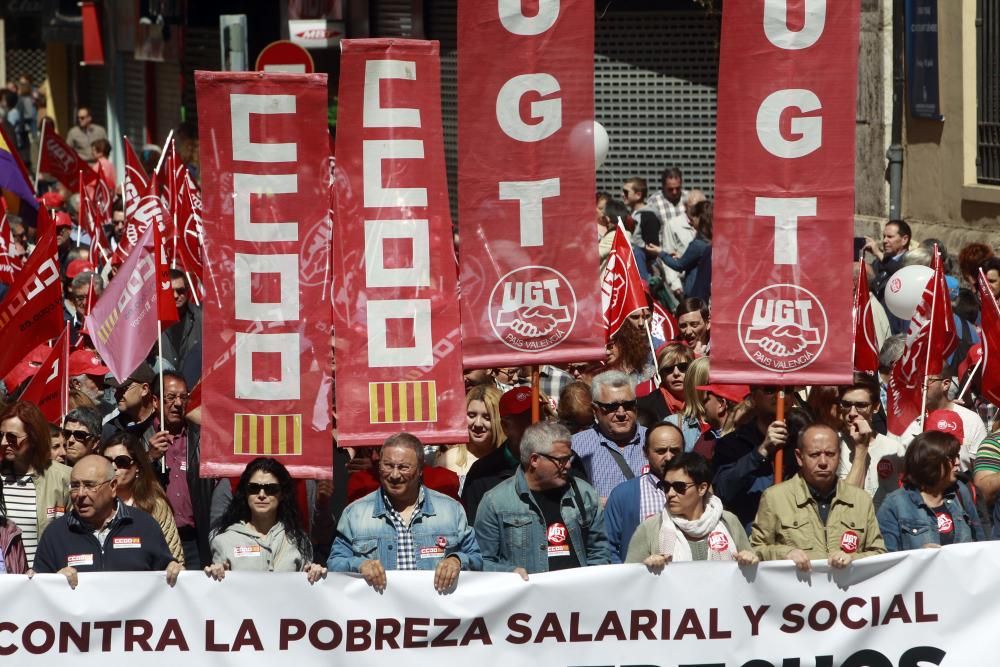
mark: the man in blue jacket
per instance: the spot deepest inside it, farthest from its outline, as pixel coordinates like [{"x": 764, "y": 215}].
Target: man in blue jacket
[
  {"x": 542, "y": 519},
  {"x": 403, "y": 525}
]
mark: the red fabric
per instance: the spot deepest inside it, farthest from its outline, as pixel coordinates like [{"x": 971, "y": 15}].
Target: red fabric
[
  {"x": 622, "y": 289},
  {"x": 61, "y": 161},
  {"x": 865, "y": 343},
  {"x": 166, "y": 307},
  {"x": 990, "y": 370},
  {"x": 362, "y": 482},
  {"x": 7, "y": 270},
  {"x": 93, "y": 42},
  {"x": 142, "y": 205},
  {"x": 784, "y": 186},
  {"x": 49, "y": 389},
  {"x": 664, "y": 322}
]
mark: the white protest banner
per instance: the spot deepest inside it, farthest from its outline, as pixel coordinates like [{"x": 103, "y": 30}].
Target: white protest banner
[{"x": 914, "y": 609}]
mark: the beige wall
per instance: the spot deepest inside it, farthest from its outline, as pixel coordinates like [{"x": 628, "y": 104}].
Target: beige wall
[{"x": 940, "y": 194}]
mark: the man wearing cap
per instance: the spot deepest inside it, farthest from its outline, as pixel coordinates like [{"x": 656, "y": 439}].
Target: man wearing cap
[
  {"x": 403, "y": 525},
  {"x": 102, "y": 534},
  {"x": 498, "y": 465},
  {"x": 86, "y": 375},
  {"x": 639, "y": 498},
  {"x": 137, "y": 404},
  {"x": 611, "y": 450},
  {"x": 814, "y": 515},
  {"x": 869, "y": 460},
  {"x": 82, "y": 431},
  {"x": 542, "y": 519},
  {"x": 973, "y": 429}
]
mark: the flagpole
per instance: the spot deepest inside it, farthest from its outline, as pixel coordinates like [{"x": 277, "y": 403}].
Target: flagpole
[
  {"x": 968, "y": 382},
  {"x": 41, "y": 148},
  {"x": 159, "y": 355},
  {"x": 779, "y": 453},
  {"x": 930, "y": 335},
  {"x": 79, "y": 210},
  {"x": 656, "y": 363},
  {"x": 194, "y": 292},
  {"x": 536, "y": 381},
  {"x": 65, "y": 359}
]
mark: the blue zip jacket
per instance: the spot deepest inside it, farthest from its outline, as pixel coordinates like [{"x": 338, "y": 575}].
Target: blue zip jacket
[
  {"x": 512, "y": 531},
  {"x": 365, "y": 532},
  {"x": 908, "y": 523}
]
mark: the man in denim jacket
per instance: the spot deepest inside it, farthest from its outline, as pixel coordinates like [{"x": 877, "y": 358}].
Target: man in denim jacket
[
  {"x": 542, "y": 519},
  {"x": 403, "y": 525}
]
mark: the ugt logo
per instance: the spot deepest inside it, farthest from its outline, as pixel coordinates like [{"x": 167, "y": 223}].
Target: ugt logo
[
  {"x": 532, "y": 308},
  {"x": 782, "y": 327}
]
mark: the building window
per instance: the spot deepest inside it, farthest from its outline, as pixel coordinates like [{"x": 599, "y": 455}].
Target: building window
[{"x": 988, "y": 92}]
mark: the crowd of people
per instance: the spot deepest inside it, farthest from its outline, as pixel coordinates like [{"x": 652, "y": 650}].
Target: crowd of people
[{"x": 637, "y": 458}]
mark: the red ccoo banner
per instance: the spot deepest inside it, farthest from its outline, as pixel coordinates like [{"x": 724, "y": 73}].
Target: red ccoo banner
[
  {"x": 784, "y": 215},
  {"x": 266, "y": 327},
  {"x": 396, "y": 315},
  {"x": 530, "y": 290}
]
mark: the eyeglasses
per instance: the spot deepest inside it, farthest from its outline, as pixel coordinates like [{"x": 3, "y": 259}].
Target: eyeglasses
[
  {"x": 667, "y": 369},
  {"x": 269, "y": 489},
  {"x": 79, "y": 436},
  {"x": 88, "y": 486},
  {"x": 401, "y": 468},
  {"x": 122, "y": 461},
  {"x": 170, "y": 398},
  {"x": 12, "y": 438},
  {"x": 560, "y": 461},
  {"x": 608, "y": 408},
  {"x": 79, "y": 298},
  {"x": 576, "y": 369},
  {"x": 680, "y": 488},
  {"x": 860, "y": 406}
]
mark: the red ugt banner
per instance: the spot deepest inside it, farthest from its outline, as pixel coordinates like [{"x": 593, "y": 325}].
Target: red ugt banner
[
  {"x": 784, "y": 193},
  {"x": 396, "y": 314},
  {"x": 530, "y": 289},
  {"x": 266, "y": 327}
]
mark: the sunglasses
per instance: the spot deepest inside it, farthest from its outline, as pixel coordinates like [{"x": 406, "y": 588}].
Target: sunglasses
[
  {"x": 11, "y": 438},
  {"x": 122, "y": 461},
  {"x": 680, "y": 488},
  {"x": 182, "y": 290},
  {"x": 669, "y": 368},
  {"x": 270, "y": 489},
  {"x": 608, "y": 408},
  {"x": 79, "y": 436}
]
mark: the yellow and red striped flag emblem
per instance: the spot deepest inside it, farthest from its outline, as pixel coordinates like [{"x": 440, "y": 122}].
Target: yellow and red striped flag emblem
[
  {"x": 267, "y": 435},
  {"x": 401, "y": 402}
]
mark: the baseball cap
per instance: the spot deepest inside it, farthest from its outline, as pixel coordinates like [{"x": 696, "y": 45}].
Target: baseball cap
[
  {"x": 516, "y": 401},
  {"x": 971, "y": 359},
  {"x": 53, "y": 199},
  {"x": 78, "y": 266},
  {"x": 144, "y": 374},
  {"x": 86, "y": 362},
  {"x": 63, "y": 219},
  {"x": 945, "y": 421},
  {"x": 730, "y": 392}
]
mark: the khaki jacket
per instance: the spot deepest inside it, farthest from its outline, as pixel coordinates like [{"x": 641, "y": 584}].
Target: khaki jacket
[
  {"x": 788, "y": 518},
  {"x": 51, "y": 494}
]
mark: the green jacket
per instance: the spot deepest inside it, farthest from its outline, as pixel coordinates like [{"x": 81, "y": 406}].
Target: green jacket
[{"x": 788, "y": 518}]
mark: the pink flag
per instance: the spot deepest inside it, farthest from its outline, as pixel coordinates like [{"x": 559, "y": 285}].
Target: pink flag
[{"x": 122, "y": 323}]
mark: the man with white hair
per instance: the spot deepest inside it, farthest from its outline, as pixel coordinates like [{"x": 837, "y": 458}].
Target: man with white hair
[{"x": 542, "y": 519}]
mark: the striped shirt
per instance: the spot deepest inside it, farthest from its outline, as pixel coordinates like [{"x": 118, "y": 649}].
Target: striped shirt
[
  {"x": 988, "y": 455},
  {"x": 19, "y": 495},
  {"x": 602, "y": 469}
]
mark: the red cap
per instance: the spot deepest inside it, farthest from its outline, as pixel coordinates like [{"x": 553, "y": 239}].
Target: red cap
[
  {"x": 78, "y": 266},
  {"x": 63, "y": 219},
  {"x": 731, "y": 392},
  {"x": 53, "y": 199},
  {"x": 945, "y": 421},
  {"x": 86, "y": 362},
  {"x": 971, "y": 359},
  {"x": 516, "y": 401}
]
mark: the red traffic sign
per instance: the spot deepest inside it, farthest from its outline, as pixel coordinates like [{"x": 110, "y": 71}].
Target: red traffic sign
[{"x": 284, "y": 56}]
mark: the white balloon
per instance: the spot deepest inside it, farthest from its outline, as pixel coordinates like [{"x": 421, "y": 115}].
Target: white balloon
[
  {"x": 904, "y": 289},
  {"x": 601, "y": 144}
]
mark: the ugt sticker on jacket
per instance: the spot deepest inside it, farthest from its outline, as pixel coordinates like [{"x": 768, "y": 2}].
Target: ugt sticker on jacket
[
  {"x": 396, "y": 311},
  {"x": 266, "y": 326}
]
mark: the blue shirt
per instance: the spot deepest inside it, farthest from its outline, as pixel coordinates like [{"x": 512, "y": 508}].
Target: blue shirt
[{"x": 594, "y": 450}]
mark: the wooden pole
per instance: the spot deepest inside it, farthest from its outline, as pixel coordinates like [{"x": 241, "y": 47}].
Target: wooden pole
[
  {"x": 779, "y": 453},
  {"x": 159, "y": 353},
  {"x": 536, "y": 381}
]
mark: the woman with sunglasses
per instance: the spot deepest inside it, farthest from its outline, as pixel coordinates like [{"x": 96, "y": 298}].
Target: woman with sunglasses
[
  {"x": 36, "y": 489},
  {"x": 138, "y": 486},
  {"x": 667, "y": 399},
  {"x": 261, "y": 530},
  {"x": 932, "y": 509},
  {"x": 692, "y": 525}
]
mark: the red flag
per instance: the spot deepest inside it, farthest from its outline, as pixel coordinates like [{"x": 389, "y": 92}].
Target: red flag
[
  {"x": 989, "y": 385},
  {"x": 61, "y": 161},
  {"x": 166, "y": 307},
  {"x": 622, "y": 289},
  {"x": 31, "y": 313},
  {"x": 49, "y": 389},
  {"x": 142, "y": 204},
  {"x": 865, "y": 344},
  {"x": 944, "y": 337},
  {"x": 189, "y": 230},
  {"x": 93, "y": 222},
  {"x": 7, "y": 270},
  {"x": 663, "y": 321}
]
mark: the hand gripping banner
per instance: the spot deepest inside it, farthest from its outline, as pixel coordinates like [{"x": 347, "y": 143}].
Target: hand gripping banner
[
  {"x": 529, "y": 263},
  {"x": 266, "y": 327},
  {"x": 784, "y": 183},
  {"x": 399, "y": 355}
]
